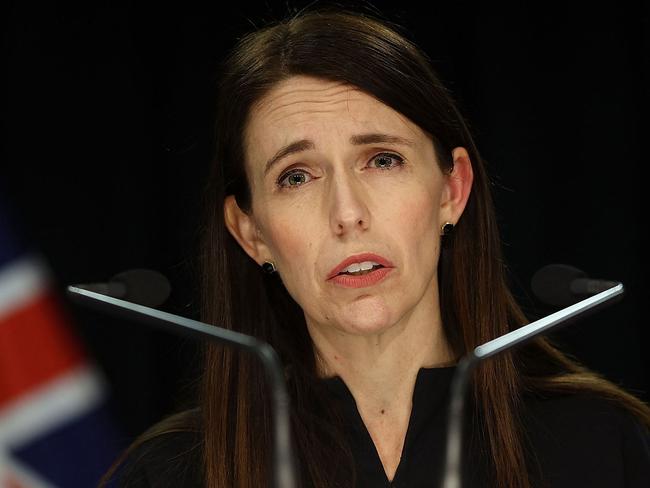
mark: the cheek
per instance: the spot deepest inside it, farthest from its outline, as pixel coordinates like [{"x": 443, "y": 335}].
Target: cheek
[
  {"x": 287, "y": 230},
  {"x": 415, "y": 224},
  {"x": 415, "y": 216},
  {"x": 293, "y": 247}
]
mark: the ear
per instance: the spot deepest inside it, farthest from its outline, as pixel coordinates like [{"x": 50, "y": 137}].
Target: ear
[
  {"x": 243, "y": 228},
  {"x": 457, "y": 187}
]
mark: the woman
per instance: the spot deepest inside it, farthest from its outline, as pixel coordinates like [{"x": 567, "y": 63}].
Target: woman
[{"x": 349, "y": 224}]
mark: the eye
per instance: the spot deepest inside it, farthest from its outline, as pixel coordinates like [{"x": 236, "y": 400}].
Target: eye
[
  {"x": 386, "y": 161},
  {"x": 293, "y": 178}
]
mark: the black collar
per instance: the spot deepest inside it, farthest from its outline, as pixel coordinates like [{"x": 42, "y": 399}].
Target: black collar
[{"x": 427, "y": 424}]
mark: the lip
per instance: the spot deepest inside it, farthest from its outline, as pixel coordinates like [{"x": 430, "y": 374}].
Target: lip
[{"x": 359, "y": 258}]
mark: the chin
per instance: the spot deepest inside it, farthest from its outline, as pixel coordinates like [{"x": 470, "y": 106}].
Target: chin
[{"x": 366, "y": 317}]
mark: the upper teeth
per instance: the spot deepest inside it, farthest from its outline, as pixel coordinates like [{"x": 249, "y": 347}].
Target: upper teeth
[{"x": 366, "y": 265}]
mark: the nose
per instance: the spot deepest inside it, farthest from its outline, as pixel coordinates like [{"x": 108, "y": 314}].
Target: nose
[{"x": 348, "y": 206}]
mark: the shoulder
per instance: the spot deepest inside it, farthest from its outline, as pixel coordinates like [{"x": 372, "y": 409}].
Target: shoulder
[
  {"x": 170, "y": 456},
  {"x": 585, "y": 440}
]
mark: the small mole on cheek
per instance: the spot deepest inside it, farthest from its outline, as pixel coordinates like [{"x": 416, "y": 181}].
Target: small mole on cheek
[{"x": 382, "y": 411}]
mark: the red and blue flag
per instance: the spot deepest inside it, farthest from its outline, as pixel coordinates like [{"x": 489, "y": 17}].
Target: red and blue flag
[{"x": 55, "y": 427}]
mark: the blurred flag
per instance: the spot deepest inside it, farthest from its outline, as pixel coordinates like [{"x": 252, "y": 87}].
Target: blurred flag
[{"x": 55, "y": 430}]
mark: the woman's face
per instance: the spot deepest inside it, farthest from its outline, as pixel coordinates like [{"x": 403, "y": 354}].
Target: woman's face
[{"x": 336, "y": 175}]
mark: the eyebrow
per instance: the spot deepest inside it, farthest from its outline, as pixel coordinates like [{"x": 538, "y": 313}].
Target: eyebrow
[{"x": 356, "y": 140}]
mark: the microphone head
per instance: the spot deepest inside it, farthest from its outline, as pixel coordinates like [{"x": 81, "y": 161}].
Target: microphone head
[
  {"x": 552, "y": 284},
  {"x": 144, "y": 286}
]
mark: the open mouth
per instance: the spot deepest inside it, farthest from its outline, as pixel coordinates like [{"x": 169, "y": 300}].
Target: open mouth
[{"x": 360, "y": 269}]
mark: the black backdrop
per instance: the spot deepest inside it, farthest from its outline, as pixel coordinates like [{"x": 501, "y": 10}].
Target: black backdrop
[{"x": 106, "y": 124}]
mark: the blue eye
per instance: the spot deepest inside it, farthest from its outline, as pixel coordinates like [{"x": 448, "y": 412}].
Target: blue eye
[
  {"x": 387, "y": 161},
  {"x": 293, "y": 178}
]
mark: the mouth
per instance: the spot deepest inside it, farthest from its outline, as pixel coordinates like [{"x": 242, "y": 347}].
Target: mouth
[
  {"x": 360, "y": 269},
  {"x": 359, "y": 265}
]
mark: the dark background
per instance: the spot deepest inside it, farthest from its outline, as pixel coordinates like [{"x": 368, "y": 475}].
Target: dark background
[{"x": 106, "y": 114}]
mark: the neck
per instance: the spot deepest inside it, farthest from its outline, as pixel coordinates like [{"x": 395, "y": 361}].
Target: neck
[{"x": 380, "y": 369}]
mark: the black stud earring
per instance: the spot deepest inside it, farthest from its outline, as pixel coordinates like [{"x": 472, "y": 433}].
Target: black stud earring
[
  {"x": 447, "y": 228},
  {"x": 268, "y": 267}
]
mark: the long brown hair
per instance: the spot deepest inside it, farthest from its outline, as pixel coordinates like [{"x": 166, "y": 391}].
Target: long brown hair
[{"x": 476, "y": 304}]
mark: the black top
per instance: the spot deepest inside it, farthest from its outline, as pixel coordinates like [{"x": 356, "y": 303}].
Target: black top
[{"x": 577, "y": 441}]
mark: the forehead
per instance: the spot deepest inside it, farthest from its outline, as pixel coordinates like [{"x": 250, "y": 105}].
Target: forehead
[{"x": 312, "y": 108}]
